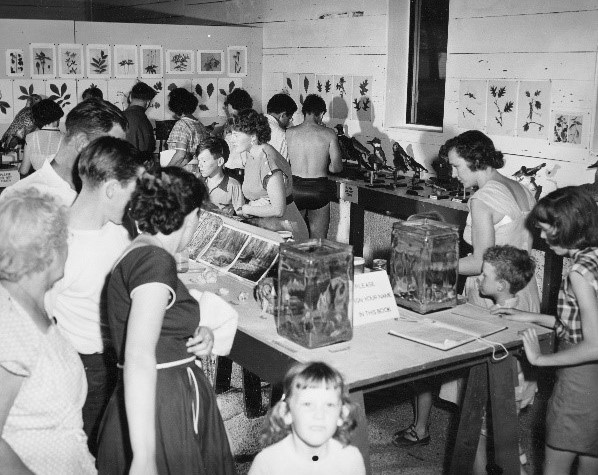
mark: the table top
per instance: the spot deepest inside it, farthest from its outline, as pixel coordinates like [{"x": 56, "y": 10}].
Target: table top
[{"x": 373, "y": 354}]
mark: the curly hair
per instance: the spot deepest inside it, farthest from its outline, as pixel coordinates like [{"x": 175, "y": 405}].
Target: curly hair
[
  {"x": 160, "y": 202},
  {"x": 252, "y": 123},
  {"x": 476, "y": 148},
  {"x": 572, "y": 213},
  {"x": 33, "y": 228},
  {"x": 46, "y": 112},
  {"x": 239, "y": 99},
  {"x": 280, "y": 103},
  {"x": 93, "y": 92},
  {"x": 513, "y": 265},
  {"x": 181, "y": 101},
  {"x": 314, "y": 374}
]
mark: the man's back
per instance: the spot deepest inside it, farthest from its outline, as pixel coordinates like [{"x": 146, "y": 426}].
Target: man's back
[{"x": 310, "y": 146}]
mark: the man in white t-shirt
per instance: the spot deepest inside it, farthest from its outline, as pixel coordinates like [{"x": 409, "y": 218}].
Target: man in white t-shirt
[
  {"x": 88, "y": 120},
  {"x": 280, "y": 110},
  {"x": 108, "y": 168}
]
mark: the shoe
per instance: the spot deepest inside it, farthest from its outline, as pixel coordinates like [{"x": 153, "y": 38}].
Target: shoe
[{"x": 399, "y": 439}]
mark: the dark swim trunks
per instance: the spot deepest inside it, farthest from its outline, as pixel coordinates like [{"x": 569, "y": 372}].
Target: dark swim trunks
[{"x": 313, "y": 193}]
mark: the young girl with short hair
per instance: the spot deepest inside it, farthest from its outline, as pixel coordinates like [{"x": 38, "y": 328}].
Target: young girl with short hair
[
  {"x": 568, "y": 220},
  {"x": 308, "y": 430}
]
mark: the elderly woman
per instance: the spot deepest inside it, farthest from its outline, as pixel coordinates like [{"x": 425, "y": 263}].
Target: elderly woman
[
  {"x": 497, "y": 214},
  {"x": 163, "y": 417},
  {"x": 42, "y": 144},
  {"x": 41, "y": 374},
  {"x": 188, "y": 131},
  {"x": 268, "y": 182}
]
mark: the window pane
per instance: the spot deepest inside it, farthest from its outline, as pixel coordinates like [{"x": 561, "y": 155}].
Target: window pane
[{"x": 427, "y": 61}]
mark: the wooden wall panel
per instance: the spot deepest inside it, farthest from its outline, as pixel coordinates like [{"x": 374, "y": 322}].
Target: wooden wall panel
[{"x": 490, "y": 8}]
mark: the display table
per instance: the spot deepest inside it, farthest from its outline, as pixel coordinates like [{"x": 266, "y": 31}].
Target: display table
[{"x": 373, "y": 360}]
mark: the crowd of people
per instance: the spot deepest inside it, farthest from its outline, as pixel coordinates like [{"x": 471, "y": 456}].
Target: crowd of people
[{"x": 100, "y": 339}]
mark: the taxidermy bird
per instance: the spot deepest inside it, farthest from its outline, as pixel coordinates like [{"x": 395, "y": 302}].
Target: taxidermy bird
[
  {"x": 400, "y": 159},
  {"x": 379, "y": 155},
  {"x": 415, "y": 166},
  {"x": 524, "y": 171},
  {"x": 350, "y": 154},
  {"x": 210, "y": 128},
  {"x": 364, "y": 153}
]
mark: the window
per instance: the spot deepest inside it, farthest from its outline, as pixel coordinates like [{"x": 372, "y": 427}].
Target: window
[
  {"x": 428, "y": 34},
  {"x": 416, "y": 70}
]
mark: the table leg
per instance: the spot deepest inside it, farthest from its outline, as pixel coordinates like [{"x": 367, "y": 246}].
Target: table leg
[
  {"x": 356, "y": 231},
  {"x": 360, "y": 435},
  {"x": 252, "y": 395},
  {"x": 470, "y": 421},
  {"x": 502, "y": 375},
  {"x": 224, "y": 369}
]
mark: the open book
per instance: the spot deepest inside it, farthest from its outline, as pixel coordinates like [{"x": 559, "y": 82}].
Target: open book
[{"x": 447, "y": 329}]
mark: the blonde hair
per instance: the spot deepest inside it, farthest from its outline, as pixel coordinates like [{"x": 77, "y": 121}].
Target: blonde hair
[
  {"x": 33, "y": 228},
  {"x": 299, "y": 377}
]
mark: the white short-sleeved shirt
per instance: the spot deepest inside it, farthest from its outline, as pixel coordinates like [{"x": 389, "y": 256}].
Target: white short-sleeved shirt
[
  {"x": 75, "y": 299},
  {"x": 44, "y": 426}
]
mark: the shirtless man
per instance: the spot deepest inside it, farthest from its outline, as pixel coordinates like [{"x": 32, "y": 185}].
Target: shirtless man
[{"x": 313, "y": 153}]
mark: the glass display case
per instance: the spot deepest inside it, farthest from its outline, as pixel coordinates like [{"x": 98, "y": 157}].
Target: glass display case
[
  {"x": 424, "y": 264},
  {"x": 315, "y": 292}
]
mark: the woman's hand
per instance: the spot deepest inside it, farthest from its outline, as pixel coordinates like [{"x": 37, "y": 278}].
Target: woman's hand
[
  {"x": 532, "y": 346},
  {"x": 202, "y": 342}
]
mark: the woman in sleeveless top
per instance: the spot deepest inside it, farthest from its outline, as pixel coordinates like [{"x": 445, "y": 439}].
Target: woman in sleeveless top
[
  {"x": 497, "y": 213},
  {"x": 163, "y": 418},
  {"x": 268, "y": 182}
]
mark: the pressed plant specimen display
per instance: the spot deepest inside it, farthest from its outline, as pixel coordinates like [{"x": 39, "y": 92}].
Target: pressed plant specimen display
[
  {"x": 237, "y": 61},
  {"x": 151, "y": 61},
  {"x": 60, "y": 96},
  {"x": 42, "y": 60},
  {"x": 14, "y": 62},
  {"x": 180, "y": 61},
  {"x": 501, "y": 108},
  {"x": 98, "y": 61},
  {"x": 210, "y": 62},
  {"x": 4, "y": 106}
]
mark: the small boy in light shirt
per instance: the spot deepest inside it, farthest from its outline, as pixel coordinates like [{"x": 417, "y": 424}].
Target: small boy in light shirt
[
  {"x": 224, "y": 191},
  {"x": 505, "y": 271}
]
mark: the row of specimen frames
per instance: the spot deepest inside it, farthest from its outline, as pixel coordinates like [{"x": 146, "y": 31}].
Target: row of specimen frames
[{"x": 98, "y": 61}]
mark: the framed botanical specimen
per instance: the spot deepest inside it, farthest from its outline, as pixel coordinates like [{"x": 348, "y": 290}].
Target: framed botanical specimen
[
  {"x": 210, "y": 62},
  {"x": 180, "y": 61},
  {"x": 152, "y": 61},
  {"x": 70, "y": 61},
  {"x": 125, "y": 61},
  {"x": 99, "y": 61},
  {"x": 42, "y": 60},
  {"x": 237, "y": 61},
  {"x": 15, "y": 66}
]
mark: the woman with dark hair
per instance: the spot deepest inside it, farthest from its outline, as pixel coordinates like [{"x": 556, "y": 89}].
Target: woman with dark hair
[
  {"x": 42, "y": 144},
  {"x": 163, "y": 417},
  {"x": 568, "y": 220},
  {"x": 188, "y": 131},
  {"x": 497, "y": 213},
  {"x": 268, "y": 182}
]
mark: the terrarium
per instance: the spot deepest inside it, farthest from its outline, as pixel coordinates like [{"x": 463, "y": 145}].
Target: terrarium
[
  {"x": 315, "y": 292},
  {"x": 424, "y": 264}
]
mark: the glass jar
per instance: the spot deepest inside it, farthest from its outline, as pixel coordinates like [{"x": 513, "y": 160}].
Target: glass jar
[
  {"x": 315, "y": 292},
  {"x": 424, "y": 264}
]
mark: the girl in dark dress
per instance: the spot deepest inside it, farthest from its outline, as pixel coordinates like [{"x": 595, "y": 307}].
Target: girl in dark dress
[{"x": 163, "y": 418}]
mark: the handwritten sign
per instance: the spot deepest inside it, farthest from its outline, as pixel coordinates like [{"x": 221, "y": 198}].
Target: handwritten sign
[
  {"x": 349, "y": 193},
  {"x": 373, "y": 299},
  {"x": 8, "y": 177}
]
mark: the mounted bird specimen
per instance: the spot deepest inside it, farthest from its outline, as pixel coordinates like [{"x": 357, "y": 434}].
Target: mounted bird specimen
[{"x": 349, "y": 152}]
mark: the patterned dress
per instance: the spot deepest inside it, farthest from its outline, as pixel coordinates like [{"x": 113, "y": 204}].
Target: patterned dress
[{"x": 44, "y": 426}]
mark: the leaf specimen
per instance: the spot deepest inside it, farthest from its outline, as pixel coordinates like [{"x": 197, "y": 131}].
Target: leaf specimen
[{"x": 99, "y": 63}]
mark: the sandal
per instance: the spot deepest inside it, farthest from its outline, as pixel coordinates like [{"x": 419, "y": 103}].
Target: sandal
[{"x": 399, "y": 438}]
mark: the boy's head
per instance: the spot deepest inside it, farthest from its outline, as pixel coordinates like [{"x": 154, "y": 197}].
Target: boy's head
[
  {"x": 314, "y": 105},
  {"x": 142, "y": 92},
  {"x": 505, "y": 271},
  {"x": 238, "y": 100},
  {"x": 212, "y": 154},
  {"x": 282, "y": 106}
]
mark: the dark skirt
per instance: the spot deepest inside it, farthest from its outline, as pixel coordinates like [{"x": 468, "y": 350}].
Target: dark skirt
[
  {"x": 179, "y": 450},
  {"x": 572, "y": 417}
]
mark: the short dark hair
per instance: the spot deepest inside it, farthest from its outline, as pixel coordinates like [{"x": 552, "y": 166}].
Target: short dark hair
[
  {"x": 108, "y": 158},
  {"x": 217, "y": 147},
  {"x": 239, "y": 99},
  {"x": 313, "y": 104},
  {"x": 181, "y": 101},
  {"x": 476, "y": 148},
  {"x": 280, "y": 103},
  {"x": 45, "y": 112},
  {"x": 515, "y": 266},
  {"x": 573, "y": 214},
  {"x": 161, "y": 202},
  {"x": 92, "y": 92},
  {"x": 142, "y": 92},
  {"x": 253, "y": 123},
  {"x": 94, "y": 117}
]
